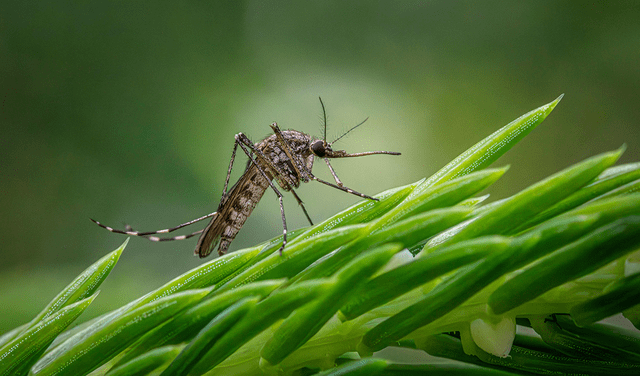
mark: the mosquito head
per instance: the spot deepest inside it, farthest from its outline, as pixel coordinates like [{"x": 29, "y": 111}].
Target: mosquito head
[{"x": 320, "y": 148}]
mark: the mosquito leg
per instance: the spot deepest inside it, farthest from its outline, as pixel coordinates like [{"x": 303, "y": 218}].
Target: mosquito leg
[
  {"x": 167, "y": 230},
  {"x": 179, "y": 237},
  {"x": 302, "y": 206},
  {"x": 345, "y": 189},
  {"x": 233, "y": 157},
  {"x": 333, "y": 173},
  {"x": 264, "y": 174}
]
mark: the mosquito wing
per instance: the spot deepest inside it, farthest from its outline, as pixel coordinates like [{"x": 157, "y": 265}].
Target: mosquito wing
[{"x": 233, "y": 212}]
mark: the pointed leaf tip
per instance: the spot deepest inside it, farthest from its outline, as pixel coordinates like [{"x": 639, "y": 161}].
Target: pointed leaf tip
[
  {"x": 118, "y": 251},
  {"x": 622, "y": 148},
  {"x": 552, "y": 105}
]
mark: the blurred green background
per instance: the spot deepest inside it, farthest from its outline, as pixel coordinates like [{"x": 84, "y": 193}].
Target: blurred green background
[{"x": 125, "y": 112}]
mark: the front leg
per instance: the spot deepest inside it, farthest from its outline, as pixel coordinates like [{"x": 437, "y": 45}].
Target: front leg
[
  {"x": 333, "y": 173},
  {"x": 245, "y": 147},
  {"x": 343, "y": 188},
  {"x": 226, "y": 182}
]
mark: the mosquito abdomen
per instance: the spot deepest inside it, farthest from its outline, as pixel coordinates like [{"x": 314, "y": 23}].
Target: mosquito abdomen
[{"x": 243, "y": 198}]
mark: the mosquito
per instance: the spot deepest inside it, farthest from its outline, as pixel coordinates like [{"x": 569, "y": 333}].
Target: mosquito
[{"x": 287, "y": 157}]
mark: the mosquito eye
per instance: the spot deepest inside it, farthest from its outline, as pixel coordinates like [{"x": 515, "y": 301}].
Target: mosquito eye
[{"x": 318, "y": 148}]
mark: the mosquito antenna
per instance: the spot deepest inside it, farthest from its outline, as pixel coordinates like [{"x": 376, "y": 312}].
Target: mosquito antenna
[
  {"x": 324, "y": 115},
  {"x": 345, "y": 133}
]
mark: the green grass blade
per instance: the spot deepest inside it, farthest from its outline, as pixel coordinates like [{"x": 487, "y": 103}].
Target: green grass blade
[
  {"x": 147, "y": 362},
  {"x": 297, "y": 257},
  {"x": 570, "y": 262},
  {"x": 83, "y": 285},
  {"x": 21, "y": 352},
  {"x": 204, "y": 275},
  {"x": 609, "y": 209},
  {"x": 89, "y": 349},
  {"x": 591, "y": 342},
  {"x": 188, "y": 323},
  {"x": 552, "y": 235},
  {"x": 407, "y": 232},
  {"x": 208, "y": 336},
  {"x": 517, "y": 209},
  {"x": 601, "y": 188},
  {"x": 363, "y": 211},
  {"x": 444, "y": 297},
  {"x": 631, "y": 187},
  {"x": 362, "y": 367},
  {"x": 446, "y": 194},
  {"x": 404, "y": 278},
  {"x": 622, "y": 294},
  {"x": 505, "y": 255},
  {"x": 306, "y": 321},
  {"x": 526, "y": 360},
  {"x": 264, "y": 314},
  {"x": 443, "y": 195},
  {"x": 487, "y": 151},
  {"x": 8, "y": 336}
]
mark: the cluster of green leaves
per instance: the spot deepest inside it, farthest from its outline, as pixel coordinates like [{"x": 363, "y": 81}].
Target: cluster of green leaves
[{"x": 427, "y": 266}]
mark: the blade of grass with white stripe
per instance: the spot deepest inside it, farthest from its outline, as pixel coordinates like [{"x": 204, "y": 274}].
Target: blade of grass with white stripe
[
  {"x": 363, "y": 211},
  {"x": 511, "y": 212},
  {"x": 188, "y": 323},
  {"x": 306, "y": 321},
  {"x": 577, "y": 259},
  {"x": 487, "y": 151},
  {"x": 86, "y": 351},
  {"x": 622, "y": 294},
  {"x": 505, "y": 255},
  {"x": 601, "y": 186},
  {"x": 559, "y": 332},
  {"x": 147, "y": 362},
  {"x": 264, "y": 314},
  {"x": 83, "y": 285},
  {"x": 17, "y": 355},
  {"x": 296, "y": 258},
  {"x": 409, "y": 233},
  {"x": 207, "y": 337},
  {"x": 417, "y": 272}
]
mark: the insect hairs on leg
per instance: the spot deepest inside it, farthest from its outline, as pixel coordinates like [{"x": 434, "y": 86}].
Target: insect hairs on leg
[{"x": 285, "y": 157}]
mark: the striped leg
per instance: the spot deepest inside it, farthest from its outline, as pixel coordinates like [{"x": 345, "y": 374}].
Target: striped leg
[
  {"x": 343, "y": 188},
  {"x": 226, "y": 182},
  {"x": 302, "y": 206},
  {"x": 148, "y": 234},
  {"x": 335, "y": 177},
  {"x": 179, "y": 237}
]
